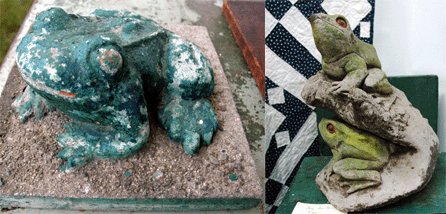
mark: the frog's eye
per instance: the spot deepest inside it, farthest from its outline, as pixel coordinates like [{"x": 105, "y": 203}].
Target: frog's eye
[
  {"x": 341, "y": 22},
  {"x": 108, "y": 59},
  {"x": 331, "y": 128}
]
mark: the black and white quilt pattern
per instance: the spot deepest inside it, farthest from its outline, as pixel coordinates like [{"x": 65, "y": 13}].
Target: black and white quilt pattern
[{"x": 290, "y": 59}]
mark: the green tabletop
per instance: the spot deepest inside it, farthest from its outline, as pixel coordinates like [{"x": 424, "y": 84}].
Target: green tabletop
[{"x": 432, "y": 199}]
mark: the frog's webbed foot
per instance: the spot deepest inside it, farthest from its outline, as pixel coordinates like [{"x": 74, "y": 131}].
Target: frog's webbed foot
[
  {"x": 77, "y": 151},
  {"x": 326, "y": 174},
  {"x": 339, "y": 88},
  {"x": 30, "y": 103},
  {"x": 185, "y": 112},
  {"x": 354, "y": 186},
  {"x": 188, "y": 122},
  {"x": 328, "y": 170},
  {"x": 76, "y": 157}
]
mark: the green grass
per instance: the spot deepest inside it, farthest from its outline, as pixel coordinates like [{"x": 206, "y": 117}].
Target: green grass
[{"x": 12, "y": 14}]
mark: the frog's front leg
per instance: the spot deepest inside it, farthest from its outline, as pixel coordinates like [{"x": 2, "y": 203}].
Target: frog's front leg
[
  {"x": 328, "y": 169},
  {"x": 31, "y": 103},
  {"x": 358, "y": 174},
  {"x": 185, "y": 111},
  {"x": 356, "y": 70}
]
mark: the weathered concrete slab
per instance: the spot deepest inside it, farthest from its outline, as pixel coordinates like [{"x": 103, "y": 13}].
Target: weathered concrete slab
[{"x": 158, "y": 177}]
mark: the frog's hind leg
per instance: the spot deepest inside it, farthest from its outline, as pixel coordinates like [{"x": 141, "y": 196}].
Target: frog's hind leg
[
  {"x": 358, "y": 174},
  {"x": 359, "y": 179},
  {"x": 123, "y": 130},
  {"x": 376, "y": 82},
  {"x": 185, "y": 111},
  {"x": 84, "y": 142}
]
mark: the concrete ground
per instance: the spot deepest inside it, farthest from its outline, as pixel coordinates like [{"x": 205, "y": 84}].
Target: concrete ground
[{"x": 249, "y": 102}]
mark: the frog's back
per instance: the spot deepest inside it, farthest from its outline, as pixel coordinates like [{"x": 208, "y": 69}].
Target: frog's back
[
  {"x": 368, "y": 53},
  {"x": 123, "y": 27},
  {"x": 369, "y": 145}
]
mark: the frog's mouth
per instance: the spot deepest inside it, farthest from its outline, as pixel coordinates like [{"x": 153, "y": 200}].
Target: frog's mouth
[{"x": 40, "y": 85}]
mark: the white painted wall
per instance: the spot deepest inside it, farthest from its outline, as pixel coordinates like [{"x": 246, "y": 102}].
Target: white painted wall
[{"x": 410, "y": 38}]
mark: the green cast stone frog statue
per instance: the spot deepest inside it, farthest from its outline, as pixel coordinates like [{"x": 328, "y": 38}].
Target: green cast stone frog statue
[
  {"x": 347, "y": 60},
  {"x": 358, "y": 156},
  {"x": 104, "y": 71}
]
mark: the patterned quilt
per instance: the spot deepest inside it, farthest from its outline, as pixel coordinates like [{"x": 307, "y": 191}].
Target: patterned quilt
[{"x": 290, "y": 59}]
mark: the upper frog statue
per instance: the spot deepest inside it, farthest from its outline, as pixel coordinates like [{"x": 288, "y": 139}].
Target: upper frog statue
[
  {"x": 104, "y": 71},
  {"x": 345, "y": 58}
]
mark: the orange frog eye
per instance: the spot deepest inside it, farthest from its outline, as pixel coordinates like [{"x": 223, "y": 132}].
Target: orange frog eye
[
  {"x": 66, "y": 94},
  {"x": 341, "y": 22},
  {"x": 331, "y": 128}
]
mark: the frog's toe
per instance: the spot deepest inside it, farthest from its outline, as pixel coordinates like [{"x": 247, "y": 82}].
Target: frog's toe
[
  {"x": 76, "y": 157},
  {"x": 68, "y": 139},
  {"x": 189, "y": 139},
  {"x": 73, "y": 163},
  {"x": 188, "y": 122},
  {"x": 24, "y": 114},
  {"x": 175, "y": 129},
  {"x": 207, "y": 137},
  {"x": 30, "y": 103},
  {"x": 354, "y": 186},
  {"x": 39, "y": 114},
  {"x": 191, "y": 142},
  {"x": 207, "y": 128},
  {"x": 66, "y": 153},
  {"x": 339, "y": 88},
  {"x": 334, "y": 89},
  {"x": 77, "y": 151}
]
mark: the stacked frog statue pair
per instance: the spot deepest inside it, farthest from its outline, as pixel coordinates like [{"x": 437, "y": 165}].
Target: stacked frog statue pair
[
  {"x": 383, "y": 149},
  {"x": 351, "y": 63},
  {"x": 105, "y": 71}
]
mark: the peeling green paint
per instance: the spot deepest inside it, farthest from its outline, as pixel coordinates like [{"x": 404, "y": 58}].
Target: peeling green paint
[
  {"x": 233, "y": 177},
  {"x": 104, "y": 71}
]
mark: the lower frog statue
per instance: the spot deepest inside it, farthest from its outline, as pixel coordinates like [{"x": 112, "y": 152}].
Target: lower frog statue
[
  {"x": 104, "y": 71},
  {"x": 358, "y": 156}
]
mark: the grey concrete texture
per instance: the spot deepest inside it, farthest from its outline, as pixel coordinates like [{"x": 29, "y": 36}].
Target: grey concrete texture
[{"x": 161, "y": 169}]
